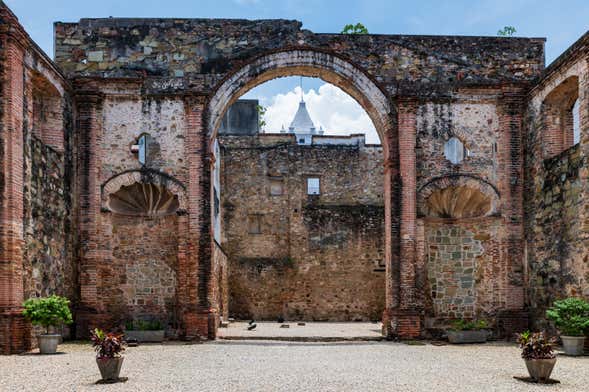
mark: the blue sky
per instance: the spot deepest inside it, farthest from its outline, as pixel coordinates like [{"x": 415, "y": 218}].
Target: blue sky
[{"x": 560, "y": 21}]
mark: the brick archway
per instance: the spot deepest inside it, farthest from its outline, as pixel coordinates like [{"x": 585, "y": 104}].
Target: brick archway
[{"x": 401, "y": 317}]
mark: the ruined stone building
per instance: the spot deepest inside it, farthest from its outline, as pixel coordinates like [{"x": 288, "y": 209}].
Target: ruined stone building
[
  {"x": 114, "y": 170},
  {"x": 303, "y": 221}
]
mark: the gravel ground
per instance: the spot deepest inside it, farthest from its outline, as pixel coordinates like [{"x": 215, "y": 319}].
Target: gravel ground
[{"x": 290, "y": 366}]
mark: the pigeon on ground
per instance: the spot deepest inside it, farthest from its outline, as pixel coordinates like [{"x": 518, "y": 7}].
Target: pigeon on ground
[{"x": 252, "y": 327}]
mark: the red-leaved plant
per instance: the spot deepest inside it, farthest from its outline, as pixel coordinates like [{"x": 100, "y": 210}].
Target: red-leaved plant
[
  {"x": 536, "y": 345},
  {"x": 107, "y": 345}
]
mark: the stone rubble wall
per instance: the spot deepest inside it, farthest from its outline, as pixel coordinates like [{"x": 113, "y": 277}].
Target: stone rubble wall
[
  {"x": 315, "y": 257},
  {"x": 556, "y": 189}
]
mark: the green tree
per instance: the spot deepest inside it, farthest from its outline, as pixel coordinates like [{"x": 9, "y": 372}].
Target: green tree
[
  {"x": 261, "y": 113},
  {"x": 358, "y": 28},
  {"x": 507, "y": 31}
]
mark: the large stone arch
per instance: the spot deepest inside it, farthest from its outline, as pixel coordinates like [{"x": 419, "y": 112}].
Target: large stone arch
[
  {"x": 310, "y": 63},
  {"x": 400, "y": 317}
]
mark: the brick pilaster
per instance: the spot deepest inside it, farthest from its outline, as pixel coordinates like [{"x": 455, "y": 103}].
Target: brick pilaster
[
  {"x": 14, "y": 330},
  {"x": 199, "y": 317},
  {"x": 510, "y": 169},
  {"x": 89, "y": 130},
  {"x": 404, "y": 316}
]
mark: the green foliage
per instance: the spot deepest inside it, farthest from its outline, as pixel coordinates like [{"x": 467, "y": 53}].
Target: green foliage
[
  {"x": 535, "y": 345},
  {"x": 463, "y": 325},
  {"x": 261, "y": 113},
  {"x": 358, "y": 28},
  {"x": 143, "y": 325},
  {"x": 48, "y": 311},
  {"x": 507, "y": 31},
  {"x": 570, "y": 315},
  {"x": 107, "y": 345}
]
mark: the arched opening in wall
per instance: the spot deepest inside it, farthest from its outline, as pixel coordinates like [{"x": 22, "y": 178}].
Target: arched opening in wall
[
  {"x": 560, "y": 114},
  {"x": 297, "y": 199}
]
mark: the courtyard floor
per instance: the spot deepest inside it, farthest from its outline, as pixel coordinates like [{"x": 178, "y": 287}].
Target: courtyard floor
[
  {"x": 309, "y": 331},
  {"x": 290, "y": 366}
]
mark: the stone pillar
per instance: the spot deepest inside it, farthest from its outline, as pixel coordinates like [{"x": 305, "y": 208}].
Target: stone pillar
[
  {"x": 510, "y": 172},
  {"x": 405, "y": 313},
  {"x": 14, "y": 330},
  {"x": 199, "y": 318},
  {"x": 89, "y": 312}
]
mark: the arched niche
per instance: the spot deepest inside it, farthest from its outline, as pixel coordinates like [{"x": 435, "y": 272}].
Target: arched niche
[
  {"x": 143, "y": 192},
  {"x": 457, "y": 197}
]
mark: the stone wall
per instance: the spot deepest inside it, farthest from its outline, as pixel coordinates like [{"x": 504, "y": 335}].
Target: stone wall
[
  {"x": 141, "y": 280},
  {"x": 48, "y": 267},
  {"x": 466, "y": 270},
  {"x": 296, "y": 256},
  {"x": 220, "y": 281},
  {"x": 193, "y": 48},
  {"x": 556, "y": 180},
  {"x": 557, "y": 253}
]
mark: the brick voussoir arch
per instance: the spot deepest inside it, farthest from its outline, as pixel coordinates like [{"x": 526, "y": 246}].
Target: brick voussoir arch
[
  {"x": 455, "y": 180},
  {"x": 305, "y": 62},
  {"x": 143, "y": 175}
]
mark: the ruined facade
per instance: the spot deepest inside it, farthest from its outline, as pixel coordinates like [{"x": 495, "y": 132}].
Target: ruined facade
[
  {"x": 302, "y": 223},
  {"x": 479, "y": 168}
]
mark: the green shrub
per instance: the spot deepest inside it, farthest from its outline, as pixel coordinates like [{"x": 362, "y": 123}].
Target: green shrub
[
  {"x": 48, "y": 311},
  {"x": 463, "y": 325},
  {"x": 571, "y": 316}
]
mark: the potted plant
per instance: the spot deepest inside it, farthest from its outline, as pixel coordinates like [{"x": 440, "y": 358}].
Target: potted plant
[
  {"x": 463, "y": 331},
  {"x": 108, "y": 347},
  {"x": 537, "y": 352},
  {"x": 48, "y": 312},
  {"x": 571, "y": 317},
  {"x": 144, "y": 331}
]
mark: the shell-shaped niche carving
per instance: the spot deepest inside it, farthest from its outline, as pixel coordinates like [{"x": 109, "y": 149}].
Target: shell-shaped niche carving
[
  {"x": 144, "y": 200},
  {"x": 458, "y": 202}
]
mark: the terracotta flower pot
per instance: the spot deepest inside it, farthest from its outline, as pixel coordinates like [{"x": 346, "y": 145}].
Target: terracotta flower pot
[
  {"x": 110, "y": 368},
  {"x": 540, "y": 369}
]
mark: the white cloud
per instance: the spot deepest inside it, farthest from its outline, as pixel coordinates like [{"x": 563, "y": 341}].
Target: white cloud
[{"x": 329, "y": 107}]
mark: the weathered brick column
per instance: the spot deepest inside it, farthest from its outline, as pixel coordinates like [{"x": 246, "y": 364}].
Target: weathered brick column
[
  {"x": 14, "y": 330},
  {"x": 404, "y": 305},
  {"x": 89, "y": 312},
  {"x": 194, "y": 272},
  {"x": 512, "y": 318}
]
